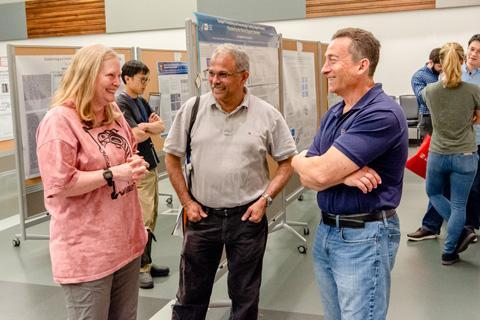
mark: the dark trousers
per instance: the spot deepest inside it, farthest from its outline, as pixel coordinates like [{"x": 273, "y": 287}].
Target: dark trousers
[
  {"x": 425, "y": 125},
  {"x": 473, "y": 203},
  {"x": 432, "y": 220},
  {"x": 203, "y": 245}
]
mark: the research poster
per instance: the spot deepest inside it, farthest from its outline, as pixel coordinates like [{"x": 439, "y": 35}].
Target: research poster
[
  {"x": 38, "y": 77},
  {"x": 299, "y": 93},
  {"x": 261, "y": 44},
  {"x": 6, "y": 122},
  {"x": 173, "y": 84}
]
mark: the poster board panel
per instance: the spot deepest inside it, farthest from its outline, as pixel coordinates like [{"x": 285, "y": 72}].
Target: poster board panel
[
  {"x": 151, "y": 57},
  {"x": 262, "y": 47},
  {"x": 25, "y": 64},
  {"x": 299, "y": 58},
  {"x": 6, "y": 124},
  {"x": 31, "y": 65},
  {"x": 127, "y": 53},
  {"x": 323, "y": 84},
  {"x": 39, "y": 71}
]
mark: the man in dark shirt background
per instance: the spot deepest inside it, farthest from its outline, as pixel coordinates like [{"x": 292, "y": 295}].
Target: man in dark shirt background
[{"x": 144, "y": 124}]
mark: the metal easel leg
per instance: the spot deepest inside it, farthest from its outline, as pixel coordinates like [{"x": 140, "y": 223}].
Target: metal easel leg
[{"x": 284, "y": 225}]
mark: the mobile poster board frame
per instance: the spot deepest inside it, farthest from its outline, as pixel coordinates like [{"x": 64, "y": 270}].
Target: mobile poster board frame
[
  {"x": 169, "y": 86},
  {"x": 263, "y": 45},
  {"x": 169, "y": 79},
  {"x": 35, "y": 73}
]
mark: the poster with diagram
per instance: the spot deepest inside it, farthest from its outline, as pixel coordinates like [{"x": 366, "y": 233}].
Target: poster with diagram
[
  {"x": 38, "y": 77},
  {"x": 299, "y": 94},
  {"x": 173, "y": 84},
  {"x": 6, "y": 122},
  {"x": 261, "y": 44}
]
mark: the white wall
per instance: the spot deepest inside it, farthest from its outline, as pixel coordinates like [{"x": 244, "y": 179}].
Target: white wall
[{"x": 406, "y": 37}]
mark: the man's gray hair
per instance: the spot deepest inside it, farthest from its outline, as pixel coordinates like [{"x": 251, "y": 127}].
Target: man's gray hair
[{"x": 242, "y": 62}]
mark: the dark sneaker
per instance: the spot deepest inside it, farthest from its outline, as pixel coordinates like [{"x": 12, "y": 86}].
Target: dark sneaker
[
  {"x": 159, "y": 271},
  {"x": 475, "y": 239},
  {"x": 145, "y": 280},
  {"x": 421, "y": 234},
  {"x": 466, "y": 237},
  {"x": 450, "y": 258}
]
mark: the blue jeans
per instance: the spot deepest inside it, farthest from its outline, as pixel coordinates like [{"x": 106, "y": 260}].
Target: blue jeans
[
  {"x": 352, "y": 267},
  {"x": 459, "y": 170},
  {"x": 432, "y": 220}
]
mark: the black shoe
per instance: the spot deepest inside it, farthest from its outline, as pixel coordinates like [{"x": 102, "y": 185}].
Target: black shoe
[
  {"x": 421, "y": 234},
  {"x": 450, "y": 258},
  {"x": 466, "y": 237},
  {"x": 472, "y": 229},
  {"x": 145, "y": 280},
  {"x": 159, "y": 271}
]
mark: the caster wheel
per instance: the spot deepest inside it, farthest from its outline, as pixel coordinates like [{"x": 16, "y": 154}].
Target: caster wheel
[
  {"x": 16, "y": 242},
  {"x": 300, "y": 198},
  {"x": 306, "y": 231},
  {"x": 302, "y": 249}
]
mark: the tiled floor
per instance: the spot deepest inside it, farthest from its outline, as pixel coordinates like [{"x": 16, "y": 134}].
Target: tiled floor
[{"x": 422, "y": 289}]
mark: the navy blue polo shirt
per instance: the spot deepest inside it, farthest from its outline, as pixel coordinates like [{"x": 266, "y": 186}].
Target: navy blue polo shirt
[{"x": 374, "y": 133}]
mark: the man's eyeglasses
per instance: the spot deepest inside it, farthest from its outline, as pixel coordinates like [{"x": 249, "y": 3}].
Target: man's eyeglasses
[
  {"x": 222, "y": 75},
  {"x": 145, "y": 80}
]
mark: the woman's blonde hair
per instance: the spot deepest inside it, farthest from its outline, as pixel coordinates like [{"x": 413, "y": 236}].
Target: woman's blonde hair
[
  {"x": 451, "y": 57},
  {"x": 78, "y": 83}
]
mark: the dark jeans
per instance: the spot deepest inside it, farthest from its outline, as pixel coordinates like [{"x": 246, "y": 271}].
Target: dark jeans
[
  {"x": 203, "y": 244},
  {"x": 473, "y": 203},
  {"x": 432, "y": 220}
]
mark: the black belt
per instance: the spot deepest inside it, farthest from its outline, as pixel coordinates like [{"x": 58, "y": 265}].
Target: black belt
[
  {"x": 227, "y": 212},
  {"x": 355, "y": 220}
]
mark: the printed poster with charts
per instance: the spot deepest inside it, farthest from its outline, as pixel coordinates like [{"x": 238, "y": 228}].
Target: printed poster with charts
[
  {"x": 261, "y": 44},
  {"x": 173, "y": 83},
  {"x": 300, "y": 105},
  {"x": 6, "y": 122},
  {"x": 38, "y": 78}
]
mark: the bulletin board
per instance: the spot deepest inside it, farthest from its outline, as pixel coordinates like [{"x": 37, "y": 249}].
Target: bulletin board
[{"x": 35, "y": 73}]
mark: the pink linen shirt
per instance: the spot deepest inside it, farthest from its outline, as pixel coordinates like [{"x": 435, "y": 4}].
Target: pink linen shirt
[{"x": 91, "y": 235}]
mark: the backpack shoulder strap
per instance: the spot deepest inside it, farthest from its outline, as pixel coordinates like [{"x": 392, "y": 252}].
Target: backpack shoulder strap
[{"x": 193, "y": 116}]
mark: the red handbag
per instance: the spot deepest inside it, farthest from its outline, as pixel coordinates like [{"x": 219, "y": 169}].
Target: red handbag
[{"x": 418, "y": 162}]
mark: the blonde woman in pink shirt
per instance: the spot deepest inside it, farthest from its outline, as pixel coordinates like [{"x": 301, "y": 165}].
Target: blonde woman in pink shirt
[{"x": 89, "y": 167}]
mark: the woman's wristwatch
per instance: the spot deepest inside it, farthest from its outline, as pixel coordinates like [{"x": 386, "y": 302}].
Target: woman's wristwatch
[{"x": 108, "y": 175}]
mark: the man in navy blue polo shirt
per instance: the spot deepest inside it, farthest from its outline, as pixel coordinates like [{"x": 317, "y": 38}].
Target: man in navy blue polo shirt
[{"x": 356, "y": 164}]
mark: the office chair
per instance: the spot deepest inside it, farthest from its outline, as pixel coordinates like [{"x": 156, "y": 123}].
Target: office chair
[{"x": 409, "y": 104}]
